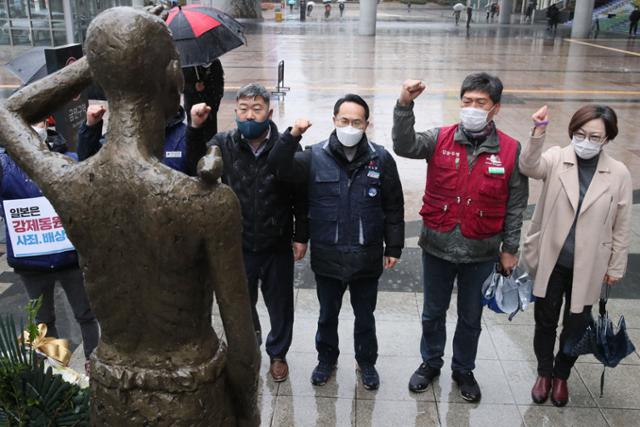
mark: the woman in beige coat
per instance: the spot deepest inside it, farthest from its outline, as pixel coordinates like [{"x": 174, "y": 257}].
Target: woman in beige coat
[{"x": 579, "y": 235}]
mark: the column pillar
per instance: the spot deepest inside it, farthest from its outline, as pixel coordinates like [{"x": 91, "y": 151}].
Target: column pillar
[
  {"x": 368, "y": 11},
  {"x": 68, "y": 21},
  {"x": 506, "y": 6},
  {"x": 582, "y": 19}
]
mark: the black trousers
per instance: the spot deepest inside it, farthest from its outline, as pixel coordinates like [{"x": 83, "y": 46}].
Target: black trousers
[
  {"x": 273, "y": 270},
  {"x": 364, "y": 295},
  {"x": 547, "y": 314},
  {"x": 633, "y": 28},
  {"x": 43, "y": 284}
]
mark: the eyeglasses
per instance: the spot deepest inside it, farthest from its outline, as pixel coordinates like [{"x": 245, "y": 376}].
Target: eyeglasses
[
  {"x": 594, "y": 139},
  {"x": 344, "y": 122}
]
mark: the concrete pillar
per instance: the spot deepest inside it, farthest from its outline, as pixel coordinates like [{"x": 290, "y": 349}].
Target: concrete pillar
[
  {"x": 582, "y": 19},
  {"x": 137, "y": 3},
  {"x": 368, "y": 11},
  {"x": 506, "y": 6},
  {"x": 68, "y": 21}
]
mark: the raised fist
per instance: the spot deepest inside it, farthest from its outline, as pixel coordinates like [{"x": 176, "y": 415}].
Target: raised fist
[
  {"x": 541, "y": 115},
  {"x": 94, "y": 114},
  {"x": 411, "y": 89},
  {"x": 199, "y": 114},
  {"x": 300, "y": 127}
]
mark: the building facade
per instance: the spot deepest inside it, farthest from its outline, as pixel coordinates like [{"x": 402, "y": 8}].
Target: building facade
[{"x": 49, "y": 22}]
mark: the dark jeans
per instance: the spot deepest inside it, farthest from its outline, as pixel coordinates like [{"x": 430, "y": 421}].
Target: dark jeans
[
  {"x": 274, "y": 271},
  {"x": 633, "y": 28},
  {"x": 547, "y": 314},
  {"x": 72, "y": 283},
  {"x": 438, "y": 277},
  {"x": 364, "y": 295}
]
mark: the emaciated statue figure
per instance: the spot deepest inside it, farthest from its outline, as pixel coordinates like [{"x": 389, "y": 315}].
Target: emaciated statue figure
[{"x": 155, "y": 244}]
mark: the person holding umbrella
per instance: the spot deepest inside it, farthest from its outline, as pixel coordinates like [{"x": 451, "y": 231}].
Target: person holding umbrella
[
  {"x": 204, "y": 83},
  {"x": 585, "y": 203},
  {"x": 457, "y": 10},
  {"x": 202, "y": 35}
]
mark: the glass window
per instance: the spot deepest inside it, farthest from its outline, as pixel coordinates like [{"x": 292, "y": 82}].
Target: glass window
[
  {"x": 59, "y": 38},
  {"x": 18, "y": 9},
  {"x": 4, "y": 31},
  {"x": 42, "y": 38},
  {"x": 20, "y": 33}
]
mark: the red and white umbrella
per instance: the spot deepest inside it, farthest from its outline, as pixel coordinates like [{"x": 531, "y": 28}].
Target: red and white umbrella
[{"x": 203, "y": 34}]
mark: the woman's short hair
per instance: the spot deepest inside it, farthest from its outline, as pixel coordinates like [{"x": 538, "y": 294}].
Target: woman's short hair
[{"x": 593, "y": 112}]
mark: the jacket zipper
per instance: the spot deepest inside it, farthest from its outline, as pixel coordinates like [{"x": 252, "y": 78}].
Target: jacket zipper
[{"x": 255, "y": 206}]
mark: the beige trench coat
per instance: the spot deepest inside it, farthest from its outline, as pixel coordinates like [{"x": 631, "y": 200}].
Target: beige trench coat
[{"x": 602, "y": 229}]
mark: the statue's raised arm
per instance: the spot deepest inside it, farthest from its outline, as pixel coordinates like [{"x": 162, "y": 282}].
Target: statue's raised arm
[{"x": 30, "y": 105}]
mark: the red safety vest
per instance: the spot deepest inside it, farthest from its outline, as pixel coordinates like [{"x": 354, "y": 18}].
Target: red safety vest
[{"x": 475, "y": 198}]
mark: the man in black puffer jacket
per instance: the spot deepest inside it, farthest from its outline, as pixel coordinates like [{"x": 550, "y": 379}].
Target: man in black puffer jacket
[{"x": 268, "y": 209}]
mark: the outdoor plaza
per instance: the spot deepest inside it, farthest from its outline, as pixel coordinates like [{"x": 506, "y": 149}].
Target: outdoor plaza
[{"x": 327, "y": 58}]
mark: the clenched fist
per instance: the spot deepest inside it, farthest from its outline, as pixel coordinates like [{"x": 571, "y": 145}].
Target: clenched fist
[
  {"x": 94, "y": 114},
  {"x": 540, "y": 120},
  {"x": 411, "y": 89},
  {"x": 300, "y": 127},
  {"x": 199, "y": 114}
]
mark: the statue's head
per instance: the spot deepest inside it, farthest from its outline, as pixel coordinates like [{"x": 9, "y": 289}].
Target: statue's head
[{"x": 131, "y": 55}]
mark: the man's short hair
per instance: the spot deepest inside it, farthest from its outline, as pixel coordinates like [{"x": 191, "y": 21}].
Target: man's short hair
[
  {"x": 356, "y": 99},
  {"x": 254, "y": 90},
  {"x": 483, "y": 82}
]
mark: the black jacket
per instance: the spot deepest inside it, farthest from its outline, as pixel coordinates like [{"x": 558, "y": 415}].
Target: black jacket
[
  {"x": 296, "y": 166},
  {"x": 268, "y": 204}
]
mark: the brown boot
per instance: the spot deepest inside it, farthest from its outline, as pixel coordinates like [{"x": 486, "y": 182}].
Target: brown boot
[
  {"x": 541, "y": 389},
  {"x": 279, "y": 370},
  {"x": 559, "y": 392}
]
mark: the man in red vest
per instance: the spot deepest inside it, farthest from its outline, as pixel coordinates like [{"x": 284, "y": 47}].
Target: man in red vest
[{"x": 472, "y": 211}]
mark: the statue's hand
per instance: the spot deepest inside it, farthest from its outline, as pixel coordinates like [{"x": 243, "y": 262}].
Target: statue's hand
[
  {"x": 210, "y": 166},
  {"x": 158, "y": 10}
]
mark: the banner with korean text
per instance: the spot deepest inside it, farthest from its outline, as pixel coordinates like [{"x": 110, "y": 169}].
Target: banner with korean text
[{"x": 35, "y": 228}]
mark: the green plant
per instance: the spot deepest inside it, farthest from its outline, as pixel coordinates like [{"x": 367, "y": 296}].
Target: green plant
[{"x": 30, "y": 396}]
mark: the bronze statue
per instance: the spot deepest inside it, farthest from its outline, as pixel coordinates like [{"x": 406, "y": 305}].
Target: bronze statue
[{"x": 155, "y": 244}]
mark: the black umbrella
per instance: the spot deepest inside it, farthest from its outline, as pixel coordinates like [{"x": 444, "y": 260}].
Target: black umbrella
[
  {"x": 29, "y": 66},
  {"x": 203, "y": 34},
  {"x": 607, "y": 344}
]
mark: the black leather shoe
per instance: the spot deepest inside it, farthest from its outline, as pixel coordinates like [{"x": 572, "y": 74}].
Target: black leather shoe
[
  {"x": 422, "y": 377},
  {"x": 469, "y": 388}
]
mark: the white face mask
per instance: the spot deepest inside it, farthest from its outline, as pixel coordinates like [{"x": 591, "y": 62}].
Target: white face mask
[
  {"x": 349, "y": 136},
  {"x": 474, "y": 119},
  {"x": 42, "y": 132},
  {"x": 586, "y": 149}
]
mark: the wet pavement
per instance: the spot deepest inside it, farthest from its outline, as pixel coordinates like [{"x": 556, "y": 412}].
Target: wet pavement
[{"x": 324, "y": 59}]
